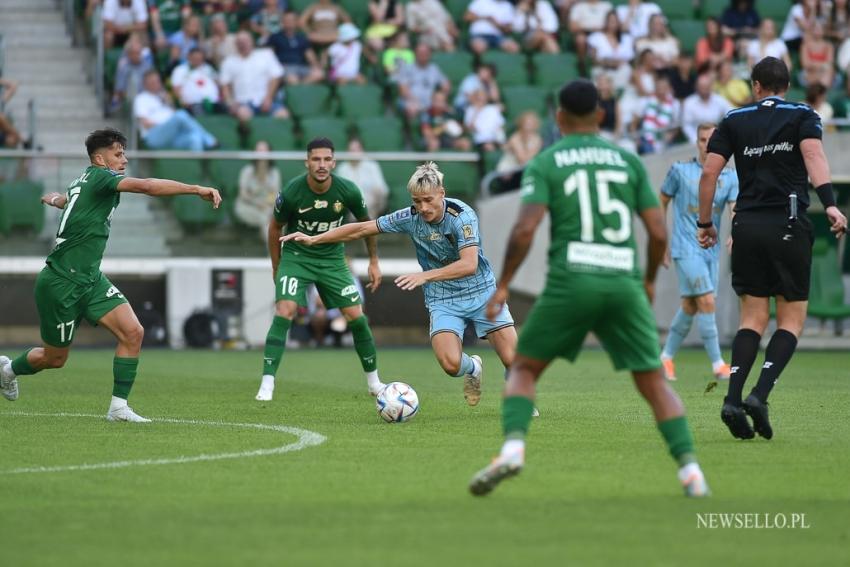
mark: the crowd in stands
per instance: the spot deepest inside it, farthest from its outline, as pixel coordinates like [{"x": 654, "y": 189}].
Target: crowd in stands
[{"x": 459, "y": 76}]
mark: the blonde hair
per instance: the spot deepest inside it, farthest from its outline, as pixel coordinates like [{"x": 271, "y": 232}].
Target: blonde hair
[{"x": 425, "y": 179}]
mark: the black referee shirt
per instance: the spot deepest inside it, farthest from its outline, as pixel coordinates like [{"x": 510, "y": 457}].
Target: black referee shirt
[{"x": 765, "y": 139}]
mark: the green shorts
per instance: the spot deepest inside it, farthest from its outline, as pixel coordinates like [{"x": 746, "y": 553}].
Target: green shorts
[
  {"x": 333, "y": 281},
  {"x": 616, "y": 309},
  {"x": 62, "y": 304}
]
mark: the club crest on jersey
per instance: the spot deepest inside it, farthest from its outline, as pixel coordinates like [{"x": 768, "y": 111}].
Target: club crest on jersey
[
  {"x": 435, "y": 236},
  {"x": 337, "y": 207},
  {"x": 317, "y": 204}
]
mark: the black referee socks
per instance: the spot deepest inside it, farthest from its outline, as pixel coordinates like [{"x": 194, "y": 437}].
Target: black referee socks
[
  {"x": 779, "y": 351},
  {"x": 745, "y": 347}
]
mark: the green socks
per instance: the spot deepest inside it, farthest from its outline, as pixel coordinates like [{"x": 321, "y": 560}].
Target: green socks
[
  {"x": 679, "y": 440},
  {"x": 516, "y": 416},
  {"x": 364, "y": 343},
  {"x": 124, "y": 374},
  {"x": 22, "y": 367},
  {"x": 275, "y": 345}
]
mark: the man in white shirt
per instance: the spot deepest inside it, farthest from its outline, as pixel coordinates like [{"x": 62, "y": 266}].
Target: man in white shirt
[
  {"x": 194, "y": 83},
  {"x": 490, "y": 22},
  {"x": 704, "y": 106},
  {"x": 634, "y": 17},
  {"x": 250, "y": 81},
  {"x": 367, "y": 175},
  {"x": 121, "y": 18},
  {"x": 161, "y": 126}
]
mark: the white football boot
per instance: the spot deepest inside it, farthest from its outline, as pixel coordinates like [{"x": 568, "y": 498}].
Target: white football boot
[
  {"x": 125, "y": 413},
  {"x": 502, "y": 467},
  {"x": 8, "y": 380},
  {"x": 266, "y": 391},
  {"x": 693, "y": 481}
]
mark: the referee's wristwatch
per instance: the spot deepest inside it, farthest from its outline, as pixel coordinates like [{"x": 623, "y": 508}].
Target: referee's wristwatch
[{"x": 708, "y": 224}]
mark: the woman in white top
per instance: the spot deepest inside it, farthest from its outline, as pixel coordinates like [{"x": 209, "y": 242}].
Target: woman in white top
[
  {"x": 367, "y": 175},
  {"x": 345, "y": 56},
  {"x": 259, "y": 184},
  {"x": 660, "y": 41},
  {"x": 801, "y": 16},
  {"x": 485, "y": 122},
  {"x": 767, "y": 45},
  {"x": 538, "y": 22},
  {"x": 635, "y": 16},
  {"x": 612, "y": 51},
  {"x": 523, "y": 144}
]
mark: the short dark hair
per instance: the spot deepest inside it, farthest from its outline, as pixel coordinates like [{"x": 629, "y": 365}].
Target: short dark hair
[
  {"x": 317, "y": 143},
  {"x": 579, "y": 97},
  {"x": 100, "y": 139},
  {"x": 772, "y": 74}
]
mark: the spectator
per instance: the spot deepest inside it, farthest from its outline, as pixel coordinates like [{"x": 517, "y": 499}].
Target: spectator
[
  {"x": 683, "y": 76},
  {"x": 537, "y": 21},
  {"x": 817, "y": 58},
  {"x": 293, "y": 51},
  {"x": 800, "y": 19},
  {"x": 659, "y": 120},
  {"x": 490, "y": 22},
  {"x": 221, "y": 44},
  {"x": 485, "y": 122},
  {"x": 161, "y": 126},
  {"x": 841, "y": 103},
  {"x": 767, "y": 45},
  {"x": 641, "y": 87},
  {"x": 417, "y": 82},
  {"x": 433, "y": 23},
  {"x": 9, "y": 135},
  {"x": 440, "y": 128},
  {"x": 612, "y": 51},
  {"x": 195, "y": 84},
  {"x": 838, "y": 25},
  {"x": 714, "y": 48},
  {"x": 843, "y": 58},
  {"x": 259, "y": 185},
  {"x": 660, "y": 41},
  {"x": 345, "y": 56},
  {"x": 121, "y": 18},
  {"x": 250, "y": 81},
  {"x": 8, "y": 88},
  {"x": 397, "y": 55},
  {"x": 321, "y": 21},
  {"x": 183, "y": 41},
  {"x": 386, "y": 18},
  {"x": 266, "y": 21},
  {"x": 816, "y": 98},
  {"x": 483, "y": 77},
  {"x": 740, "y": 21},
  {"x": 704, "y": 105},
  {"x": 735, "y": 90},
  {"x": 367, "y": 175},
  {"x": 166, "y": 17},
  {"x": 634, "y": 17},
  {"x": 586, "y": 17},
  {"x": 132, "y": 66},
  {"x": 610, "y": 126},
  {"x": 525, "y": 143}
]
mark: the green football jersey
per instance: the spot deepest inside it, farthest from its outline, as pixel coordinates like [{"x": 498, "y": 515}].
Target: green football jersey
[
  {"x": 302, "y": 210},
  {"x": 592, "y": 188},
  {"x": 84, "y": 226}
]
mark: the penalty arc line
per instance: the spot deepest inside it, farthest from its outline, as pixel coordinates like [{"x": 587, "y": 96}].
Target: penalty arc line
[{"x": 306, "y": 439}]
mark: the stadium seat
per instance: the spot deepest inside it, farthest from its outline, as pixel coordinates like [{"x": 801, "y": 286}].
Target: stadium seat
[
  {"x": 518, "y": 99},
  {"x": 380, "y": 133},
  {"x": 183, "y": 170},
  {"x": 397, "y": 173},
  {"x": 774, "y": 10},
  {"x": 688, "y": 32},
  {"x": 110, "y": 65},
  {"x": 360, "y": 100},
  {"x": 457, "y": 8},
  {"x": 20, "y": 205},
  {"x": 333, "y": 128},
  {"x": 826, "y": 301},
  {"x": 510, "y": 67},
  {"x": 223, "y": 127},
  {"x": 299, "y": 6},
  {"x": 359, "y": 12},
  {"x": 225, "y": 176},
  {"x": 675, "y": 9},
  {"x": 554, "y": 70},
  {"x": 278, "y": 133},
  {"x": 194, "y": 212},
  {"x": 308, "y": 100},
  {"x": 713, "y": 8},
  {"x": 455, "y": 66},
  {"x": 461, "y": 179},
  {"x": 796, "y": 94}
]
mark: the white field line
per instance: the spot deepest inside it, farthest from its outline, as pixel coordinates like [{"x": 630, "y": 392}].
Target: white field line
[{"x": 305, "y": 439}]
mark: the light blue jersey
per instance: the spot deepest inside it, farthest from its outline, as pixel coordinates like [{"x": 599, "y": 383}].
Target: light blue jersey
[
  {"x": 438, "y": 245},
  {"x": 682, "y": 185}
]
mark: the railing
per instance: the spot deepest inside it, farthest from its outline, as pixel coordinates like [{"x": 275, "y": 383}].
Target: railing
[
  {"x": 100, "y": 53},
  {"x": 2, "y": 54},
  {"x": 70, "y": 19},
  {"x": 32, "y": 121}
]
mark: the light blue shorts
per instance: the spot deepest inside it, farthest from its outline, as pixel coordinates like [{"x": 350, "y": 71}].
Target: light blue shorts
[
  {"x": 454, "y": 318},
  {"x": 697, "y": 276}
]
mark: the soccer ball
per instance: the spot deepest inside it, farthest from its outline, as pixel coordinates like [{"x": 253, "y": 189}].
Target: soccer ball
[{"x": 397, "y": 402}]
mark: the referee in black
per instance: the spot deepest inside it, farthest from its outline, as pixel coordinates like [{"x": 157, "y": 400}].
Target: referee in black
[{"x": 777, "y": 147}]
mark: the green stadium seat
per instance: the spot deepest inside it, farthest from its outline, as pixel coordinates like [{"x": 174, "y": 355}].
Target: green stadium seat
[
  {"x": 713, "y": 8},
  {"x": 796, "y": 94},
  {"x": 278, "y": 133},
  {"x": 360, "y": 100},
  {"x": 510, "y": 67},
  {"x": 461, "y": 179},
  {"x": 308, "y": 100},
  {"x": 455, "y": 66},
  {"x": 223, "y": 127},
  {"x": 358, "y": 10},
  {"x": 20, "y": 205},
  {"x": 397, "y": 173},
  {"x": 381, "y": 133},
  {"x": 183, "y": 170},
  {"x": 518, "y": 99},
  {"x": 333, "y": 128},
  {"x": 688, "y": 32},
  {"x": 298, "y": 5},
  {"x": 110, "y": 65},
  {"x": 225, "y": 175},
  {"x": 457, "y": 8},
  {"x": 774, "y": 10},
  {"x": 676, "y": 9},
  {"x": 554, "y": 70},
  {"x": 194, "y": 212},
  {"x": 826, "y": 301}
]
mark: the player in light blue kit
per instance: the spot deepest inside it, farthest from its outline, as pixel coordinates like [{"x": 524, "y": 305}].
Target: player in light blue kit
[
  {"x": 696, "y": 267},
  {"x": 456, "y": 277}
]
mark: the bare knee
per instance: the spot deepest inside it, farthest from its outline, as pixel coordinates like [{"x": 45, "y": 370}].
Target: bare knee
[
  {"x": 55, "y": 359},
  {"x": 705, "y": 303},
  {"x": 134, "y": 336},
  {"x": 285, "y": 309},
  {"x": 449, "y": 362},
  {"x": 689, "y": 305}
]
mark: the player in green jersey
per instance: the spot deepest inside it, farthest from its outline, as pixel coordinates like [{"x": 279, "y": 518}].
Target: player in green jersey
[
  {"x": 312, "y": 204},
  {"x": 71, "y": 285},
  {"x": 590, "y": 188}
]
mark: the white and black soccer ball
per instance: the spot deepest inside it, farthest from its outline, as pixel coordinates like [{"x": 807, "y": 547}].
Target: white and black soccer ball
[{"x": 397, "y": 402}]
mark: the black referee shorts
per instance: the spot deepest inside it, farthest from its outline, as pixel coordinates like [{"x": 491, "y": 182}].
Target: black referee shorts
[{"x": 771, "y": 256}]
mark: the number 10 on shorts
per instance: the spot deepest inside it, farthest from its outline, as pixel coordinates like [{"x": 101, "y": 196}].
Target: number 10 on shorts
[
  {"x": 62, "y": 330},
  {"x": 288, "y": 285}
]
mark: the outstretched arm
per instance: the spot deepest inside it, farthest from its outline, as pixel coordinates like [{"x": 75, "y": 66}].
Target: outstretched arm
[
  {"x": 167, "y": 187},
  {"x": 344, "y": 233}
]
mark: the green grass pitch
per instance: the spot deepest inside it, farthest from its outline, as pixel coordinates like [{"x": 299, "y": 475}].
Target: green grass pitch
[{"x": 598, "y": 489}]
